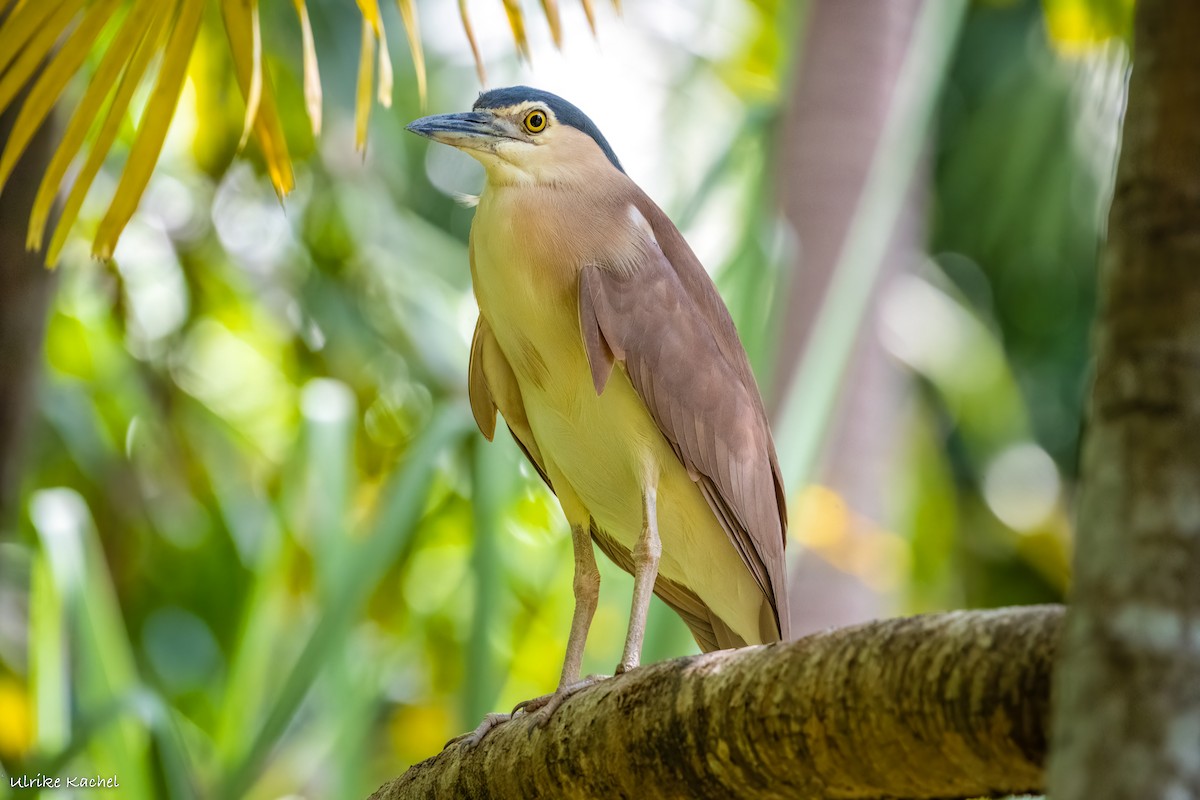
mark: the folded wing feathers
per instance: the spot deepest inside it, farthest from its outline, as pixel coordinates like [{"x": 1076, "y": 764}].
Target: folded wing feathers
[
  {"x": 483, "y": 406},
  {"x": 678, "y": 358}
]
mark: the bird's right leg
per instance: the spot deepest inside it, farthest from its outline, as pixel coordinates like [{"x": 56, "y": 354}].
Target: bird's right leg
[
  {"x": 586, "y": 585},
  {"x": 587, "y": 594}
]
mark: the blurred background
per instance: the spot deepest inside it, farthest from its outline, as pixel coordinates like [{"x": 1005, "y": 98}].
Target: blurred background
[{"x": 251, "y": 543}]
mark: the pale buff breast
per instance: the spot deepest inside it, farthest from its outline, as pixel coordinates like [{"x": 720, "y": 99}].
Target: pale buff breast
[{"x": 597, "y": 447}]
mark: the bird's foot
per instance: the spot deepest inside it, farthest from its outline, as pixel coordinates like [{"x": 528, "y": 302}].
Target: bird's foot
[
  {"x": 547, "y": 704},
  {"x": 470, "y": 740}
]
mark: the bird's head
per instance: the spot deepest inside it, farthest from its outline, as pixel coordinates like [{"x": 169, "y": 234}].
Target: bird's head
[{"x": 525, "y": 136}]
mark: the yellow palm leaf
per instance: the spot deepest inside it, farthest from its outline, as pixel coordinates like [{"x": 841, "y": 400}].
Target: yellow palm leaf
[
  {"x": 385, "y": 72},
  {"x": 466, "y": 23},
  {"x": 408, "y": 14},
  {"x": 153, "y": 128},
  {"x": 146, "y": 33},
  {"x": 370, "y": 12},
  {"x": 366, "y": 73},
  {"x": 312, "y": 75},
  {"x": 550, "y": 8},
  {"x": 248, "y": 11},
  {"x": 133, "y": 29},
  {"x": 240, "y": 23},
  {"x": 36, "y": 48},
  {"x": 516, "y": 21},
  {"x": 31, "y": 29},
  {"x": 590, "y": 12},
  {"x": 22, "y": 24},
  {"x": 52, "y": 82}
]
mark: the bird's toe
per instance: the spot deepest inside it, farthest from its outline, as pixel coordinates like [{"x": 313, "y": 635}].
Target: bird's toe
[
  {"x": 550, "y": 703},
  {"x": 547, "y": 704},
  {"x": 533, "y": 704},
  {"x": 472, "y": 739}
]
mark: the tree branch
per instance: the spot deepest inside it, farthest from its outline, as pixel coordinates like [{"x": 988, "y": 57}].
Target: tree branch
[{"x": 941, "y": 706}]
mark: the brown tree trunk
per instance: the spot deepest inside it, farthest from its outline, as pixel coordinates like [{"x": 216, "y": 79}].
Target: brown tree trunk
[
  {"x": 941, "y": 706},
  {"x": 26, "y": 288},
  {"x": 841, "y": 98},
  {"x": 1128, "y": 689}
]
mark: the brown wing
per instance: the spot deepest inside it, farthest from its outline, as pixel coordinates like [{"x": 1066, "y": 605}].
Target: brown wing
[
  {"x": 492, "y": 386},
  {"x": 666, "y": 323}
]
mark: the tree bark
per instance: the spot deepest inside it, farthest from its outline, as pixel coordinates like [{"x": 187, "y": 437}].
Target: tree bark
[
  {"x": 26, "y": 289},
  {"x": 1128, "y": 689},
  {"x": 940, "y": 706}
]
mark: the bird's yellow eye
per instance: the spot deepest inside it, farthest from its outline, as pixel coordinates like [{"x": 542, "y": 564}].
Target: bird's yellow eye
[{"x": 535, "y": 121}]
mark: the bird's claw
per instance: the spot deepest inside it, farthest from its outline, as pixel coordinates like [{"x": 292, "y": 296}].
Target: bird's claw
[
  {"x": 472, "y": 739},
  {"x": 533, "y": 704},
  {"x": 549, "y": 703}
]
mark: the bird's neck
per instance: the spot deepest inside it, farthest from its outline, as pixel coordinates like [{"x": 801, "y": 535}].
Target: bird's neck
[{"x": 568, "y": 226}]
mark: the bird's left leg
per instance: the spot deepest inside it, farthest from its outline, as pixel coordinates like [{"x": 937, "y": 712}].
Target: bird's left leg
[{"x": 646, "y": 554}]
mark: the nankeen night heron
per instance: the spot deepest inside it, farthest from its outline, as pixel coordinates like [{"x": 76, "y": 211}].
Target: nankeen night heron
[{"x": 603, "y": 343}]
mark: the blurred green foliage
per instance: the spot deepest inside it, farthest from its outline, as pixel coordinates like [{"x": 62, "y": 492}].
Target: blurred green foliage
[{"x": 262, "y": 550}]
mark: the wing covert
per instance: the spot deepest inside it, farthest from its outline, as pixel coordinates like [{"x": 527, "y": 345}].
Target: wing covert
[{"x": 492, "y": 386}]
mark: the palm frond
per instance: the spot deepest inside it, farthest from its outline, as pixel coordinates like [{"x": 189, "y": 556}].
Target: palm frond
[
  {"x": 408, "y": 15},
  {"x": 20, "y": 26},
  {"x": 136, "y": 27},
  {"x": 467, "y": 29},
  {"x": 516, "y": 21},
  {"x": 160, "y": 110},
  {"x": 550, "y": 9},
  {"x": 589, "y": 11},
  {"x": 373, "y": 36},
  {"x": 32, "y": 48},
  {"x": 312, "y": 74},
  {"x": 45, "y": 43},
  {"x": 146, "y": 49},
  {"x": 366, "y": 77},
  {"x": 246, "y": 12},
  {"x": 241, "y": 27},
  {"x": 52, "y": 82}
]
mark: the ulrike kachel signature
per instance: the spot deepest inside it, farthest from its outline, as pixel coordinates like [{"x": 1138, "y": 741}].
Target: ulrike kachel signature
[{"x": 41, "y": 781}]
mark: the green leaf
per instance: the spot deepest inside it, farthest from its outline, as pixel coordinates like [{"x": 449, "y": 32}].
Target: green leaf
[
  {"x": 104, "y": 669},
  {"x": 359, "y": 575},
  {"x": 809, "y": 403}
]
